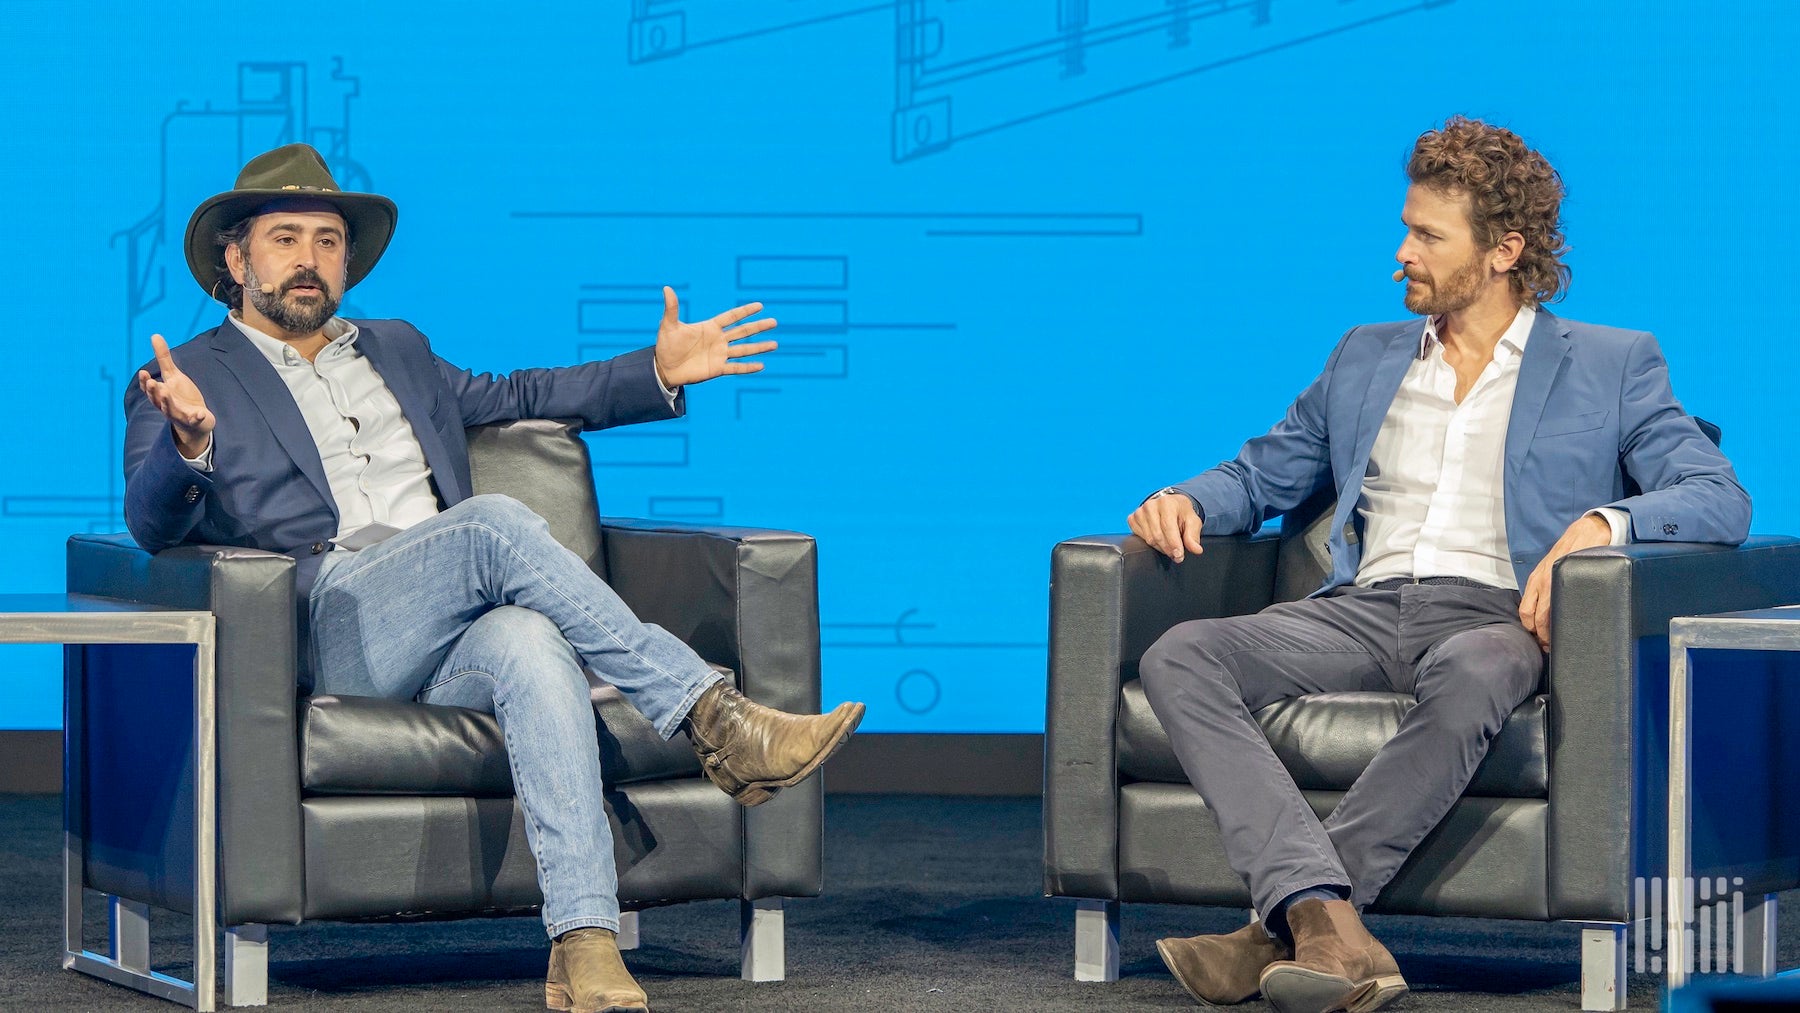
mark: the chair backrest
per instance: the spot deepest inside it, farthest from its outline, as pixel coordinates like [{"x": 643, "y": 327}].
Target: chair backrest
[
  {"x": 543, "y": 463},
  {"x": 1304, "y": 560}
]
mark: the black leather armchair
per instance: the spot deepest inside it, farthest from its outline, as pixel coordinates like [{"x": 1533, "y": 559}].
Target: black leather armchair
[
  {"x": 351, "y": 808},
  {"x": 1567, "y": 810}
]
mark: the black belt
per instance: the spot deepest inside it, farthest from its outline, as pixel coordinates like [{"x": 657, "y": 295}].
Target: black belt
[{"x": 1396, "y": 583}]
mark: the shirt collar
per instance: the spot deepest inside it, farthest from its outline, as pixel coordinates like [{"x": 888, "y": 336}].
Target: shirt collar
[
  {"x": 337, "y": 329},
  {"x": 1512, "y": 341}
]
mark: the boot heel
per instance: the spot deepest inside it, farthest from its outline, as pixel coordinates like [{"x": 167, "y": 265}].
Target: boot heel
[
  {"x": 1375, "y": 993},
  {"x": 557, "y": 997}
]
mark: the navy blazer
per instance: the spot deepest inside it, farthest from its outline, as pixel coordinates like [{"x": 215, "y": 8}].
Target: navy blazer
[
  {"x": 1593, "y": 405},
  {"x": 267, "y": 489}
]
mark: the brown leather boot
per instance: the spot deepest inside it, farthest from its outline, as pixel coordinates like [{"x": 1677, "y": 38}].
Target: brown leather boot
[
  {"x": 1222, "y": 969},
  {"x": 587, "y": 975},
  {"x": 751, "y": 751},
  {"x": 1337, "y": 966}
]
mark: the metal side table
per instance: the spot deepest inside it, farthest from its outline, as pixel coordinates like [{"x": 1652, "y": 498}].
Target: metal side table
[
  {"x": 1770, "y": 629},
  {"x": 87, "y": 619}
]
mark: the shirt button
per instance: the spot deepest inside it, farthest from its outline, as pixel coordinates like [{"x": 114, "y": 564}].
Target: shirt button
[{"x": 318, "y": 547}]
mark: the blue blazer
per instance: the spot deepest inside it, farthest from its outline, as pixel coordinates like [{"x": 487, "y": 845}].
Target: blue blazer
[
  {"x": 268, "y": 490},
  {"x": 1593, "y": 405}
]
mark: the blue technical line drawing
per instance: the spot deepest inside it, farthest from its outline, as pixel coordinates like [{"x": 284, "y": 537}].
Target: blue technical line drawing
[
  {"x": 918, "y": 691},
  {"x": 199, "y": 146},
  {"x": 661, "y": 29},
  {"x": 893, "y": 634},
  {"x": 933, "y": 224},
  {"x": 951, "y": 55}
]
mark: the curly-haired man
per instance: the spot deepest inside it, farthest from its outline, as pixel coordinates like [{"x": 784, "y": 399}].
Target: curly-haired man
[{"x": 1468, "y": 451}]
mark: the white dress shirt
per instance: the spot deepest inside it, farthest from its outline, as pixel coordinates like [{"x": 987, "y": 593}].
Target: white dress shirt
[
  {"x": 1433, "y": 501},
  {"x": 373, "y": 462}
]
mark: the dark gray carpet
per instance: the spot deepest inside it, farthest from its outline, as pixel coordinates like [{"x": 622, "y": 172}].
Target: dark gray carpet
[{"x": 931, "y": 904}]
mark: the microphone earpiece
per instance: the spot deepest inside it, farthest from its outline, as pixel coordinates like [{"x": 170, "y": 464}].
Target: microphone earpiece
[{"x": 1398, "y": 275}]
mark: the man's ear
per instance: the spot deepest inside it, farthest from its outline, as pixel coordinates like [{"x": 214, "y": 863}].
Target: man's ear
[
  {"x": 1507, "y": 252},
  {"x": 234, "y": 262}
]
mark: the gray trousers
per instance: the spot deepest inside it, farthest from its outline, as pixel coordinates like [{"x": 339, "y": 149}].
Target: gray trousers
[{"x": 1459, "y": 651}]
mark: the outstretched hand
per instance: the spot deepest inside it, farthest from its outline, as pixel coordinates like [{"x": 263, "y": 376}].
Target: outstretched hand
[
  {"x": 693, "y": 353},
  {"x": 179, "y": 399}
]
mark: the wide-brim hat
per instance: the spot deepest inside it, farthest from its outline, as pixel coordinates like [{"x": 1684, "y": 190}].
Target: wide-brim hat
[{"x": 297, "y": 171}]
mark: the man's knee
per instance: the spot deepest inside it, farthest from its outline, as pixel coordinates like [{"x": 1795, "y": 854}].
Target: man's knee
[
  {"x": 1183, "y": 658},
  {"x": 499, "y": 510},
  {"x": 1485, "y": 673}
]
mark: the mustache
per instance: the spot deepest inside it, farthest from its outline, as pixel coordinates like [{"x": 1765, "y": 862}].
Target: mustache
[{"x": 305, "y": 276}]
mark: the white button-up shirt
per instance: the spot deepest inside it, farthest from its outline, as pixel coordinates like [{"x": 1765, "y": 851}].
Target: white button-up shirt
[
  {"x": 1433, "y": 502},
  {"x": 373, "y": 462}
]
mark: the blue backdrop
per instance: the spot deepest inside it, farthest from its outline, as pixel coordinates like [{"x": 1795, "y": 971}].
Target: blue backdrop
[{"x": 1032, "y": 258}]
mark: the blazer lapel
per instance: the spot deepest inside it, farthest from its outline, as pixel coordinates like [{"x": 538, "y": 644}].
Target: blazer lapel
[
  {"x": 415, "y": 403},
  {"x": 1544, "y": 355},
  {"x": 1384, "y": 384},
  {"x": 276, "y": 402}
]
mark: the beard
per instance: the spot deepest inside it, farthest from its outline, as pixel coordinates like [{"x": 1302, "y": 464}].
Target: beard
[
  {"x": 305, "y": 315},
  {"x": 1457, "y": 292}
]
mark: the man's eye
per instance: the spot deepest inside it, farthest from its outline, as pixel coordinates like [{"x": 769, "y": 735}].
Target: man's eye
[{"x": 328, "y": 243}]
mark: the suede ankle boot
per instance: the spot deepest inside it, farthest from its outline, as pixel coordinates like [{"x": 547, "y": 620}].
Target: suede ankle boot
[
  {"x": 1337, "y": 967},
  {"x": 1222, "y": 969},
  {"x": 587, "y": 975},
  {"x": 751, "y": 751}
]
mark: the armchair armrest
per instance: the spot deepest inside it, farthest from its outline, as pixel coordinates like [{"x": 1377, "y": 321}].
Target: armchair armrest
[
  {"x": 1111, "y": 597},
  {"x": 130, "y": 721},
  {"x": 1608, "y": 679},
  {"x": 748, "y": 599}
]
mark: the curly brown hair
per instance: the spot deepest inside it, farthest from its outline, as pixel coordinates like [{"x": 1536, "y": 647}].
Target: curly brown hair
[{"x": 1511, "y": 188}]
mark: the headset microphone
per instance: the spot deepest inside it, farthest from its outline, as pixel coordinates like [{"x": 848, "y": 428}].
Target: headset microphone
[
  {"x": 269, "y": 289},
  {"x": 1397, "y": 274}
]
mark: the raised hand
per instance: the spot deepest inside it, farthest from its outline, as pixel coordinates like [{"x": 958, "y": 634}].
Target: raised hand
[
  {"x": 179, "y": 399},
  {"x": 692, "y": 353},
  {"x": 1169, "y": 523}
]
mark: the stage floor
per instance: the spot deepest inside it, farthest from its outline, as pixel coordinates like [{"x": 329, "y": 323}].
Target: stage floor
[{"x": 931, "y": 903}]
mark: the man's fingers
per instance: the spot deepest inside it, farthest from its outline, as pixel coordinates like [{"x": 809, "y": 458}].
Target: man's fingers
[
  {"x": 1168, "y": 539},
  {"x": 735, "y": 368},
  {"x": 753, "y": 327},
  {"x": 671, "y": 306},
  {"x": 1135, "y": 523},
  {"x": 732, "y": 316},
  {"x": 1190, "y": 532},
  {"x": 164, "y": 361},
  {"x": 739, "y": 351}
]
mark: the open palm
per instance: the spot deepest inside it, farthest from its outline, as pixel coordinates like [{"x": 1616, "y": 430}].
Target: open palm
[
  {"x": 696, "y": 352},
  {"x": 177, "y": 397}
]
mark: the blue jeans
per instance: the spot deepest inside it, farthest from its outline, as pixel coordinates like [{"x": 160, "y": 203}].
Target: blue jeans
[{"x": 480, "y": 607}]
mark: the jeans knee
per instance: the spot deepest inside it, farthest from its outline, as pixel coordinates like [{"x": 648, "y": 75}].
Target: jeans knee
[{"x": 500, "y": 510}]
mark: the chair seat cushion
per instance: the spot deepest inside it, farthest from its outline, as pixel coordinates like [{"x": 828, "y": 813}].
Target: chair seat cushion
[
  {"x": 367, "y": 746},
  {"x": 1326, "y": 740}
]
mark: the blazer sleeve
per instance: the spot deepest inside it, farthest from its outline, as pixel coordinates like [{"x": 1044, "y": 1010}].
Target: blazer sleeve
[
  {"x": 1276, "y": 471},
  {"x": 1691, "y": 493},
  {"x": 612, "y": 392},
  {"x": 164, "y": 497}
]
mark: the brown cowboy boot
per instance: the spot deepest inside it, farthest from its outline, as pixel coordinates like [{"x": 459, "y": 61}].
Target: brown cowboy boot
[
  {"x": 587, "y": 975},
  {"x": 1337, "y": 966},
  {"x": 751, "y": 751},
  {"x": 1222, "y": 969}
]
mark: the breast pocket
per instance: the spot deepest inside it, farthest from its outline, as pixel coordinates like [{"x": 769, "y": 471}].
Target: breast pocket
[{"x": 1568, "y": 425}]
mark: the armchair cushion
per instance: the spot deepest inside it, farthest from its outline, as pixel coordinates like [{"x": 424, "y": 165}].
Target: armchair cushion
[
  {"x": 1327, "y": 739},
  {"x": 353, "y": 745}
]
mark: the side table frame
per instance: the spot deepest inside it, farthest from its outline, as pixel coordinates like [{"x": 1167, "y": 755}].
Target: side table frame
[{"x": 87, "y": 619}]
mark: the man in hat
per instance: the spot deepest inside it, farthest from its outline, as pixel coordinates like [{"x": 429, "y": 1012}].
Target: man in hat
[{"x": 339, "y": 442}]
